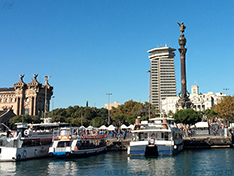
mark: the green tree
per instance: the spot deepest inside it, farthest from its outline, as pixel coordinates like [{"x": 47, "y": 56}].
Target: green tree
[
  {"x": 209, "y": 115},
  {"x": 225, "y": 109},
  {"x": 58, "y": 118},
  {"x": 98, "y": 121},
  {"x": 119, "y": 119},
  {"x": 24, "y": 119},
  {"x": 187, "y": 117}
]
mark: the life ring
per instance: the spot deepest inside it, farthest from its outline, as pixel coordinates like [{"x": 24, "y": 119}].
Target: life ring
[
  {"x": 76, "y": 148},
  {"x": 67, "y": 154},
  {"x": 18, "y": 157},
  {"x": 12, "y": 133}
]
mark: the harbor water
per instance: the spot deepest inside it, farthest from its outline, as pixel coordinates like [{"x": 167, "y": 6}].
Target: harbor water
[{"x": 188, "y": 162}]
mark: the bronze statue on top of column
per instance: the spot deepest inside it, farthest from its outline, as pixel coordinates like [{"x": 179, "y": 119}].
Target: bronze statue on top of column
[{"x": 184, "y": 101}]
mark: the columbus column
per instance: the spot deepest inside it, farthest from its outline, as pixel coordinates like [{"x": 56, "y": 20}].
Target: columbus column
[{"x": 184, "y": 101}]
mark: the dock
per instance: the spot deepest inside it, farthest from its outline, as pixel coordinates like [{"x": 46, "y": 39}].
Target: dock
[
  {"x": 195, "y": 142},
  {"x": 206, "y": 142},
  {"x": 117, "y": 145}
]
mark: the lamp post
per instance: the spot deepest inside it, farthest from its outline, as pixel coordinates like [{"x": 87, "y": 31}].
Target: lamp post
[
  {"x": 225, "y": 126},
  {"x": 149, "y": 71},
  {"x": 226, "y": 89},
  {"x": 53, "y": 105},
  {"x": 109, "y": 94}
]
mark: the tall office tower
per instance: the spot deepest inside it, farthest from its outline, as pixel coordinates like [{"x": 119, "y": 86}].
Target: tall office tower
[{"x": 162, "y": 75}]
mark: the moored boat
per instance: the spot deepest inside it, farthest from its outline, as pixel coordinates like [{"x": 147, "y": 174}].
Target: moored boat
[
  {"x": 75, "y": 143},
  {"x": 29, "y": 141},
  {"x": 156, "y": 137},
  {"x": 24, "y": 144}
]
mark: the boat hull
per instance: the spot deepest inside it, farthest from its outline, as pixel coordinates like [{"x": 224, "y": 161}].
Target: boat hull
[
  {"x": 156, "y": 149},
  {"x": 77, "y": 153},
  {"x": 24, "y": 153}
]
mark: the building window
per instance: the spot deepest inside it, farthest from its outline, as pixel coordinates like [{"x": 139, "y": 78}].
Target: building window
[
  {"x": 194, "y": 91},
  {"x": 26, "y": 111}
]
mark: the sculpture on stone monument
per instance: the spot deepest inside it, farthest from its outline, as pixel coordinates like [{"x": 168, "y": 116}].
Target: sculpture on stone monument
[
  {"x": 35, "y": 76},
  {"x": 182, "y": 27},
  {"x": 21, "y": 77}
]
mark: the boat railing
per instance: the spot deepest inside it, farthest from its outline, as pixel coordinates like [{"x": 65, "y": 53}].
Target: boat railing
[
  {"x": 149, "y": 138},
  {"x": 93, "y": 136}
]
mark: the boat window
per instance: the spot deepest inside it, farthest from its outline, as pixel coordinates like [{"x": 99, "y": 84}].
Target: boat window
[
  {"x": 64, "y": 144},
  {"x": 142, "y": 137},
  {"x": 65, "y": 132},
  {"x": 35, "y": 142},
  {"x": 102, "y": 142},
  {"x": 165, "y": 136},
  {"x": 26, "y": 143},
  {"x": 81, "y": 144},
  {"x": 87, "y": 144},
  {"x": 15, "y": 143},
  {"x": 45, "y": 141}
]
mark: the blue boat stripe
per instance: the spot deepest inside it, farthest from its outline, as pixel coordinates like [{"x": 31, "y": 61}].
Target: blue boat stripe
[
  {"x": 164, "y": 152},
  {"x": 137, "y": 152},
  {"x": 59, "y": 153}
]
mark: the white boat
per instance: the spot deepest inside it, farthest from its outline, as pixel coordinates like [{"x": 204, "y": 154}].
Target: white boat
[
  {"x": 156, "y": 137},
  {"x": 29, "y": 141},
  {"x": 75, "y": 143}
]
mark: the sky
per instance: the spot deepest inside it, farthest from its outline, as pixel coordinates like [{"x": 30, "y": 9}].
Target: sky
[{"x": 94, "y": 47}]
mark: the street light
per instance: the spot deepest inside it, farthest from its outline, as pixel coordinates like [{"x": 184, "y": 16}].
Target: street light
[
  {"x": 53, "y": 105},
  {"x": 109, "y": 94},
  {"x": 149, "y": 71},
  {"x": 226, "y": 89}
]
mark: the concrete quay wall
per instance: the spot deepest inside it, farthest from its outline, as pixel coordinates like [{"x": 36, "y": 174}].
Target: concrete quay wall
[{"x": 207, "y": 142}]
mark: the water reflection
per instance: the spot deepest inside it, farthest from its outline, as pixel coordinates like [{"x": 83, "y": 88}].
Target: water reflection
[
  {"x": 188, "y": 162},
  {"x": 7, "y": 168},
  {"x": 24, "y": 167},
  {"x": 161, "y": 165}
]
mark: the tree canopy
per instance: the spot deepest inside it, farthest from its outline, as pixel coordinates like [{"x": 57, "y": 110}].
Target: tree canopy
[
  {"x": 78, "y": 115},
  {"x": 187, "y": 116},
  {"x": 127, "y": 113},
  {"x": 225, "y": 108}
]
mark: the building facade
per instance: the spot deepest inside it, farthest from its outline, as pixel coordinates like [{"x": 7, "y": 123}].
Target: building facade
[
  {"x": 111, "y": 105},
  {"x": 32, "y": 98},
  {"x": 162, "y": 75},
  {"x": 200, "y": 102}
]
